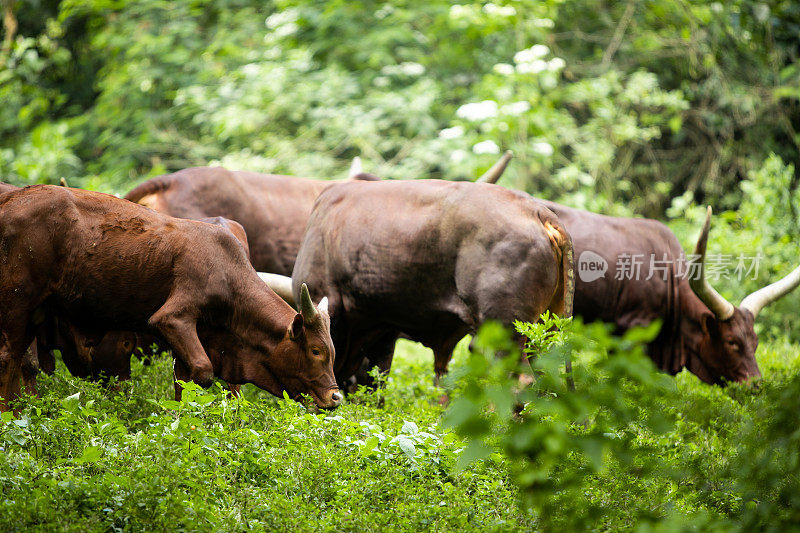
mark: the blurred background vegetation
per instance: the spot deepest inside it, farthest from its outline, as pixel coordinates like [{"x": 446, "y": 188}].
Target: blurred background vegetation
[{"x": 630, "y": 108}]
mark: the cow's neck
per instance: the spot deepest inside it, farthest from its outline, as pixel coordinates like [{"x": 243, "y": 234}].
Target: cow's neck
[{"x": 260, "y": 317}]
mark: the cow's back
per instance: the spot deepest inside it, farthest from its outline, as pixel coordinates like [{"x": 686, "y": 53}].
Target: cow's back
[
  {"x": 417, "y": 251},
  {"x": 642, "y": 259},
  {"x": 82, "y": 246},
  {"x": 272, "y": 209}
]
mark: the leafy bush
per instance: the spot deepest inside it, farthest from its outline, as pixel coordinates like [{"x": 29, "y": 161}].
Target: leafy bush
[{"x": 628, "y": 446}]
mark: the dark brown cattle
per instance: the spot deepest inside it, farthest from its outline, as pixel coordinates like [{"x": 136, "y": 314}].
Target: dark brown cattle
[
  {"x": 700, "y": 330},
  {"x": 431, "y": 259},
  {"x": 272, "y": 209},
  {"x": 108, "y": 264}
]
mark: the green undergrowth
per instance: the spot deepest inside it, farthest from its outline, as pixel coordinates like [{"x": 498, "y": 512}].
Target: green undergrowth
[{"x": 85, "y": 457}]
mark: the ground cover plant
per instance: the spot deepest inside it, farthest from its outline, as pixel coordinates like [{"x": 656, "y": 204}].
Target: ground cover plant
[{"x": 629, "y": 448}]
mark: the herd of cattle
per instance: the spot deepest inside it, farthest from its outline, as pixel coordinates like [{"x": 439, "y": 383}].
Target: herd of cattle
[{"x": 224, "y": 268}]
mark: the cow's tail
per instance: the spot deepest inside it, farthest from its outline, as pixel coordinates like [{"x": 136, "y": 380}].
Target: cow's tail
[
  {"x": 561, "y": 243},
  {"x": 149, "y": 187},
  {"x": 563, "y": 298}
]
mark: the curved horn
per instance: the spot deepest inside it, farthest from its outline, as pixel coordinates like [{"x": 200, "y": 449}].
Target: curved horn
[
  {"x": 307, "y": 308},
  {"x": 718, "y": 305},
  {"x": 63, "y": 182},
  {"x": 282, "y": 285},
  {"x": 756, "y": 301},
  {"x": 355, "y": 167},
  {"x": 494, "y": 173}
]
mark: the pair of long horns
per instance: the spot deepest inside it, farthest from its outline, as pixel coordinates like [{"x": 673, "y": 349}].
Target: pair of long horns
[
  {"x": 718, "y": 305},
  {"x": 282, "y": 285},
  {"x": 490, "y": 176}
]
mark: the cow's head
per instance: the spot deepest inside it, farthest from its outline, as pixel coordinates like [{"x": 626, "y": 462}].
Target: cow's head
[
  {"x": 728, "y": 346},
  {"x": 303, "y": 360}
]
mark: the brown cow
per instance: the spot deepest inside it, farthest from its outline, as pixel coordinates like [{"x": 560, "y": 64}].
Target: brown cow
[
  {"x": 431, "y": 259},
  {"x": 273, "y": 209},
  {"x": 107, "y": 355},
  {"x": 700, "y": 330},
  {"x": 109, "y": 264}
]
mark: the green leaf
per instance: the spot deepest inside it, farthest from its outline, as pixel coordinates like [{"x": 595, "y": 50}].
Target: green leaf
[{"x": 90, "y": 455}]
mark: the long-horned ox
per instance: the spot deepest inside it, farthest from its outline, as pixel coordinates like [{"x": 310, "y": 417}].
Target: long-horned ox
[
  {"x": 108, "y": 264},
  {"x": 633, "y": 271},
  {"x": 432, "y": 260}
]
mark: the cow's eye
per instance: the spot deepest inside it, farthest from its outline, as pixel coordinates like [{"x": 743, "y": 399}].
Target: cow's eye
[
  {"x": 315, "y": 351},
  {"x": 733, "y": 346}
]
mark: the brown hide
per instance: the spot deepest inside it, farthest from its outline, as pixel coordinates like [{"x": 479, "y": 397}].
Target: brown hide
[
  {"x": 431, "y": 259},
  {"x": 272, "y": 209},
  {"x": 110, "y": 265},
  {"x": 691, "y": 336},
  {"x": 110, "y": 354}
]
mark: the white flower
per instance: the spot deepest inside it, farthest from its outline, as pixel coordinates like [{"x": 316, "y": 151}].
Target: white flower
[
  {"x": 534, "y": 67},
  {"x": 516, "y": 108},
  {"x": 502, "y": 11},
  {"x": 537, "y": 51},
  {"x": 251, "y": 69},
  {"x": 287, "y": 29},
  {"x": 451, "y": 133},
  {"x": 543, "y": 23},
  {"x": 543, "y": 148},
  {"x": 556, "y": 64},
  {"x": 457, "y": 156},
  {"x": 412, "y": 69},
  {"x": 408, "y": 68},
  {"x": 280, "y": 18},
  {"x": 486, "y": 147},
  {"x": 458, "y": 11},
  {"x": 504, "y": 68},
  {"x": 478, "y": 110}
]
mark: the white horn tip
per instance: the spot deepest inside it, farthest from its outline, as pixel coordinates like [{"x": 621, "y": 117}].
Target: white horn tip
[
  {"x": 356, "y": 168},
  {"x": 323, "y": 305}
]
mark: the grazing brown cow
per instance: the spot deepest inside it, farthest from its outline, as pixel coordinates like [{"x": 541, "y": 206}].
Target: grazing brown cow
[
  {"x": 108, "y": 264},
  {"x": 629, "y": 274},
  {"x": 107, "y": 355},
  {"x": 273, "y": 209},
  {"x": 431, "y": 259}
]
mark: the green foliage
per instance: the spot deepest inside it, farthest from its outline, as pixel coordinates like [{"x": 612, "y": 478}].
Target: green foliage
[
  {"x": 613, "y": 106},
  {"x": 629, "y": 447},
  {"x": 85, "y": 457}
]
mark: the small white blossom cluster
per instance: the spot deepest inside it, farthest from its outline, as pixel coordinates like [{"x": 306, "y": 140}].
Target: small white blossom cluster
[
  {"x": 500, "y": 11},
  {"x": 543, "y": 148},
  {"x": 486, "y": 147},
  {"x": 283, "y": 23},
  {"x": 451, "y": 133},
  {"x": 515, "y": 108},
  {"x": 531, "y": 61},
  {"x": 478, "y": 110},
  {"x": 407, "y": 68}
]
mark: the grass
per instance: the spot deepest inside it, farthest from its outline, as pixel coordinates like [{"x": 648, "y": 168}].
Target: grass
[{"x": 82, "y": 457}]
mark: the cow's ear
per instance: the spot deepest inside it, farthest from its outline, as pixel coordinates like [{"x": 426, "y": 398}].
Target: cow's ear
[
  {"x": 709, "y": 324},
  {"x": 296, "y": 329}
]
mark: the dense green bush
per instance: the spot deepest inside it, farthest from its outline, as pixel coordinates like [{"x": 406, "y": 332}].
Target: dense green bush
[
  {"x": 613, "y": 106},
  {"x": 629, "y": 446}
]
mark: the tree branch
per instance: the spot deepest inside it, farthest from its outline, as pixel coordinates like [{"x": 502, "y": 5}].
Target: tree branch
[{"x": 619, "y": 33}]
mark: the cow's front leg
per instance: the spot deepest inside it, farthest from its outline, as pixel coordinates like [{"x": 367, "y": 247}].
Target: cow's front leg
[{"x": 179, "y": 329}]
